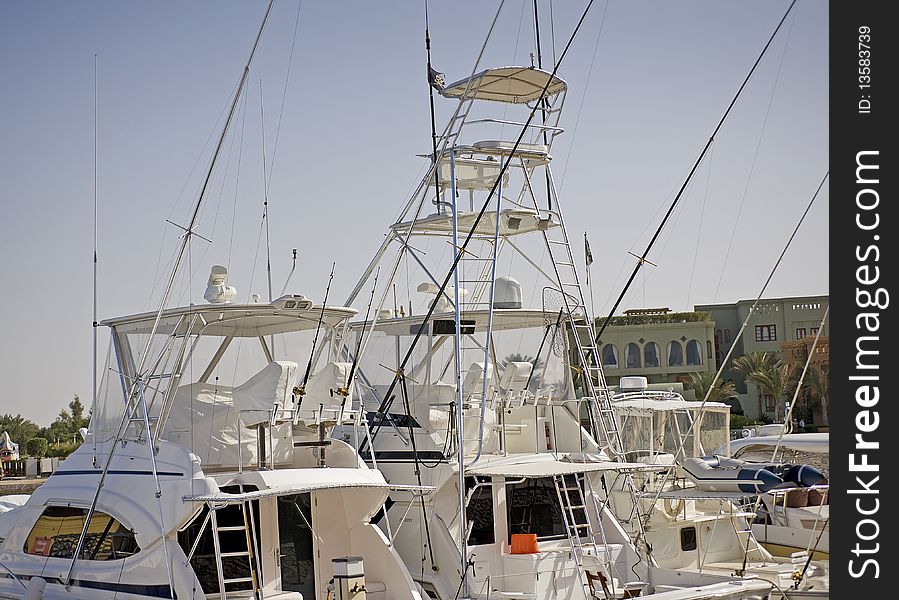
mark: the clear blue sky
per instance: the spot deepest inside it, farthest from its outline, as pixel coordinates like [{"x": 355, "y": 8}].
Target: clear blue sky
[{"x": 355, "y": 115}]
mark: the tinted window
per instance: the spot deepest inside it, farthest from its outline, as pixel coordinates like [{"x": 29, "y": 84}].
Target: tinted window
[
  {"x": 480, "y": 512},
  {"x": 59, "y": 528},
  {"x": 688, "y": 538}
]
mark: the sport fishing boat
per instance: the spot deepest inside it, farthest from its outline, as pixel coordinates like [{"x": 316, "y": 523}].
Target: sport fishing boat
[
  {"x": 699, "y": 516},
  {"x": 519, "y": 448},
  {"x": 191, "y": 487},
  {"x": 208, "y": 470}
]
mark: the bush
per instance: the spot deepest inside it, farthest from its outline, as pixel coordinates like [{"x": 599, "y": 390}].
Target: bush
[
  {"x": 62, "y": 450},
  {"x": 741, "y": 421},
  {"x": 37, "y": 447}
]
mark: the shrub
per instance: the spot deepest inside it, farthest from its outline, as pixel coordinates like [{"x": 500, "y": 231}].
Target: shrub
[{"x": 37, "y": 447}]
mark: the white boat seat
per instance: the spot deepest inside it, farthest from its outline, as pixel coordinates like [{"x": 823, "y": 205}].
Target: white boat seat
[
  {"x": 473, "y": 384},
  {"x": 515, "y": 377}
]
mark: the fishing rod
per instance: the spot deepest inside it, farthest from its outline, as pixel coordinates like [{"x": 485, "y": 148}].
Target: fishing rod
[
  {"x": 642, "y": 258},
  {"x": 300, "y": 390},
  {"x": 345, "y": 392},
  {"x": 375, "y": 427}
]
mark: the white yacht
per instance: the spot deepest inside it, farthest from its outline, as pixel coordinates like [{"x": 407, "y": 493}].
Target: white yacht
[
  {"x": 520, "y": 461},
  {"x": 699, "y": 516},
  {"x": 210, "y": 474}
]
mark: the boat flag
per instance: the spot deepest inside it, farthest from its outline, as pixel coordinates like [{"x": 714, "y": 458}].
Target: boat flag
[{"x": 587, "y": 254}]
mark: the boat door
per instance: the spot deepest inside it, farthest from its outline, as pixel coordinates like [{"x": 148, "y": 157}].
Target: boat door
[{"x": 297, "y": 564}]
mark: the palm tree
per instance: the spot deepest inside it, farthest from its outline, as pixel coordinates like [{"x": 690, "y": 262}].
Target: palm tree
[
  {"x": 750, "y": 363},
  {"x": 817, "y": 384},
  {"x": 773, "y": 380},
  {"x": 700, "y": 383}
]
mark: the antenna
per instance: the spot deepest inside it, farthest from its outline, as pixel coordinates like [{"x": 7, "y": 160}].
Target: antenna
[
  {"x": 289, "y": 275},
  {"x": 268, "y": 249},
  {"x": 94, "y": 328}
]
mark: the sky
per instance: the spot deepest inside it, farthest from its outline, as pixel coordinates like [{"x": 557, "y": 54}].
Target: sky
[{"x": 648, "y": 81}]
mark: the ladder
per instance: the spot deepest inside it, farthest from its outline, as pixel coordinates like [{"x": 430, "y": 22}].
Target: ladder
[
  {"x": 245, "y": 550},
  {"x": 571, "y": 497},
  {"x": 599, "y": 405}
]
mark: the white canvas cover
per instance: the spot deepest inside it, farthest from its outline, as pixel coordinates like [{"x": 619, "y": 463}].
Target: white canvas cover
[
  {"x": 516, "y": 85},
  {"x": 321, "y": 392},
  {"x": 205, "y": 417}
]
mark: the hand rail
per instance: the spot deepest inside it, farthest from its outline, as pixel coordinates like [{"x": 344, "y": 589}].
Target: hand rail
[{"x": 14, "y": 576}]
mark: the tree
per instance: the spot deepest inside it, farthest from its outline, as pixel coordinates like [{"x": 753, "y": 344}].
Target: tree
[
  {"x": 19, "y": 428},
  {"x": 750, "y": 363},
  {"x": 773, "y": 380},
  {"x": 700, "y": 383},
  {"x": 817, "y": 386},
  {"x": 38, "y": 446},
  {"x": 67, "y": 424}
]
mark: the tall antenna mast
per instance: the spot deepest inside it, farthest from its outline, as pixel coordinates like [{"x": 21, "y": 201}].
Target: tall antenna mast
[
  {"x": 94, "y": 325},
  {"x": 134, "y": 396}
]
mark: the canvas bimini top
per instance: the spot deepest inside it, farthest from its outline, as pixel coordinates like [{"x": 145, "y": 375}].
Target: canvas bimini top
[
  {"x": 515, "y": 85},
  {"x": 283, "y": 315}
]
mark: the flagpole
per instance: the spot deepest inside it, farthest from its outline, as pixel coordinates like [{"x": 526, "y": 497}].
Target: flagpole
[{"x": 588, "y": 259}]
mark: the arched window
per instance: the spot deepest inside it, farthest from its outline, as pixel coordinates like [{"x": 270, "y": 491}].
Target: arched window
[
  {"x": 651, "y": 354},
  {"x": 727, "y": 336},
  {"x": 632, "y": 356},
  {"x": 610, "y": 356},
  {"x": 58, "y": 529},
  {"x": 675, "y": 354},
  {"x": 694, "y": 352},
  {"x": 708, "y": 349}
]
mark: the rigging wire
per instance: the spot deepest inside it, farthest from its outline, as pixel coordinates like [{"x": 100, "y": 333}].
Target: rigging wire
[
  {"x": 134, "y": 397},
  {"x": 740, "y": 332},
  {"x": 705, "y": 198},
  {"x": 577, "y": 119},
  {"x": 755, "y": 157},
  {"x": 702, "y": 154},
  {"x": 385, "y": 404},
  {"x": 296, "y": 26}
]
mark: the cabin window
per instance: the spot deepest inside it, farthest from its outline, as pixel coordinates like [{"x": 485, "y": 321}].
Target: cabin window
[
  {"x": 610, "y": 356},
  {"x": 694, "y": 353},
  {"x": 675, "y": 354},
  {"x": 688, "y": 538},
  {"x": 632, "y": 356},
  {"x": 651, "y": 354},
  {"x": 480, "y": 511},
  {"x": 59, "y": 528},
  {"x": 533, "y": 507}
]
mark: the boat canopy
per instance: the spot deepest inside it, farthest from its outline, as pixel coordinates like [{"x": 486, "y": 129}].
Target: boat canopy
[
  {"x": 802, "y": 442},
  {"x": 369, "y": 489},
  {"x": 237, "y": 320},
  {"x": 515, "y": 85},
  {"x": 647, "y": 404},
  {"x": 545, "y": 465},
  {"x": 512, "y": 221},
  {"x": 472, "y": 321}
]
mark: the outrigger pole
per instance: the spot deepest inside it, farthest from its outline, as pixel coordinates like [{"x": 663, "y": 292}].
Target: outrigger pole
[
  {"x": 136, "y": 393},
  {"x": 642, "y": 258}
]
